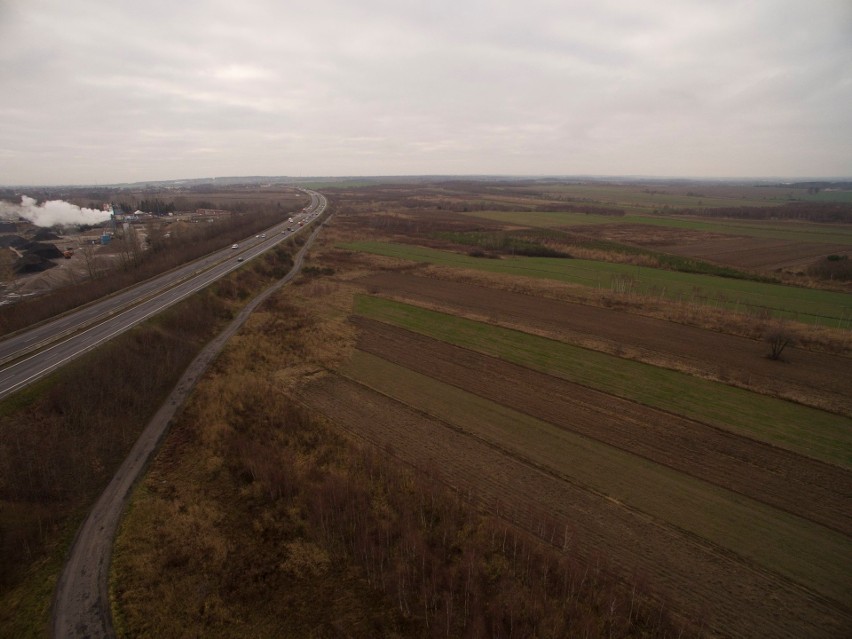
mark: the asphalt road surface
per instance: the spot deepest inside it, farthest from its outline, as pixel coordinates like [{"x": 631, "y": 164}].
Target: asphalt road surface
[
  {"x": 81, "y": 606},
  {"x": 30, "y": 355}
]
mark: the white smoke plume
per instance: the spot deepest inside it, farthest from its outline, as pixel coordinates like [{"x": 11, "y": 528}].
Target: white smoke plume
[{"x": 51, "y": 212}]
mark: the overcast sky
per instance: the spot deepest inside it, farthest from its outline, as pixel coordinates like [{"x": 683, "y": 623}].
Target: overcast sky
[{"x": 104, "y": 91}]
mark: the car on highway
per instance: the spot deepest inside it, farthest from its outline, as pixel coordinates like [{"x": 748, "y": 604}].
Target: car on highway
[
  {"x": 263, "y": 235},
  {"x": 240, "y": 259},
  {"x": 233, "y": 246}
]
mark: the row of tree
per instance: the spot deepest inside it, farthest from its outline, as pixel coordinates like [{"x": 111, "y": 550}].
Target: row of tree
[
  {"x": 149, "y": 205},
  {"x": 835, "y": 212}
]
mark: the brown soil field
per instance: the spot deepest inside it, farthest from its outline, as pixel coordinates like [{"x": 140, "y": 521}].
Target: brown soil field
[
  {"x": 757, "y": 253},
  {"x": 760, "y": 254},
  {"x": 706, "y": 582},
  {"x": 645, "y": 234},
  {"x": 817, "y": 379},
  {"x": 797, "y": 484}
]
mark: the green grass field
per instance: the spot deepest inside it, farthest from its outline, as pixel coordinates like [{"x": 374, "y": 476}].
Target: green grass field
[
  {"x": 804, "y": 430},
  {"x": 811, "y": 306},
  {"x": 802, "y": 550}
]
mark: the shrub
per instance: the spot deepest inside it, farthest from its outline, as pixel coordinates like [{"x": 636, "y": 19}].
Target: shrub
[
  {"x": 778, "y": 337},
  {"x": 832, "y": 267}
]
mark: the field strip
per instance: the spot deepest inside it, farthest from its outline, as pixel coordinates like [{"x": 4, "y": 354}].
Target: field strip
[
  {"x": 623, "y": 196},
  {"x": 799, "y": 485},
  {"x": 802, "y": 551},
  {"x": 627, "y": 197},
  {"x": 800, "y": 304},
  {"x": 801, "y": 429},
  {"x": 813, "y": 233},
  {"x": 817, "y": 379},
  {"x": 735, "y": 598}
]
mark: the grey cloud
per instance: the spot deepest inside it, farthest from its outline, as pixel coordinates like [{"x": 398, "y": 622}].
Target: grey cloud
[{"x": 381, "y": 86}]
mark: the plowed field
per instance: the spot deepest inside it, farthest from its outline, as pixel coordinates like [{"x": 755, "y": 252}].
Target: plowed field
[
  {"x": 756, "y": 253},
  {"x": 735, "y": 597},
  {"x": 797, "y": 484},
  {"x": 739, "y": 251}
]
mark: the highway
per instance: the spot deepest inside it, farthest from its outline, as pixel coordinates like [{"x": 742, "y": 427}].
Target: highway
[{"x": 30, "y": 355}]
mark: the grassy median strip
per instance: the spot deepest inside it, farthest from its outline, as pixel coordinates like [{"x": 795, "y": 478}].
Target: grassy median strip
[
  {"x": 804, "y": 430},
  {"x": 802, "y": 550},
  {"x": 811, "y": 306}
]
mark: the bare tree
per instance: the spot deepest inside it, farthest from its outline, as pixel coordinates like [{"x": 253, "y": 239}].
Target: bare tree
[
  {"x": 87, "y": 250},
  {"x": 155, "y": 235},
  {"x": 7, "y": 266},
  {"x": 779, "y": 337},
  {"x": 134, "y": 244}
]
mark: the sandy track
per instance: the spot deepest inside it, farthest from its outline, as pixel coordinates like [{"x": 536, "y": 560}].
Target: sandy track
[
  {"x": 735, "y": 598},
  {"x": 800, "y": 485},
  {"x": 825, "y": 378}
]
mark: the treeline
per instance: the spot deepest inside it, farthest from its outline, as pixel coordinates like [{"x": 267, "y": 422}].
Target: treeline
[
  {"x": 501, "y": 243},
  {"x": 468, "y": 206},
  {"x": 464, "y": 206},
  {"x": 836, "y": 212},
  {"x": 834, "y": 267},
  {"x": 148, "y": 205},
  {"x": 466, "y": 202},
  {"x": 587, "y": 209},
  {"x": 137, "y": 266}
]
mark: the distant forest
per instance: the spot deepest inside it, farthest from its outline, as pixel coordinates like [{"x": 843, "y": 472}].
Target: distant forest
[{"x": 811, "y": 211}]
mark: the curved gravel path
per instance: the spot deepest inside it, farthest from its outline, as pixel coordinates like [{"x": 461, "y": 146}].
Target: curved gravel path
[{"x": 81, "y": 605}]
